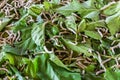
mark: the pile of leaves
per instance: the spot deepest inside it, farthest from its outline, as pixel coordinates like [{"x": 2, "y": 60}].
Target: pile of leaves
[{"x": 59, "y": 40}]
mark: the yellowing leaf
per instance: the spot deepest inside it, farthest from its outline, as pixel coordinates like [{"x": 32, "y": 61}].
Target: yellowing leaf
[
  {"x": 82, "y": 26},
  {"x": 93, "y": 34},
  {"x": 76, "y": 48}
]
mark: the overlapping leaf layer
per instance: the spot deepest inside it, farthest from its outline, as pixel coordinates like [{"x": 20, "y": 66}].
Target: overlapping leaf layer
[{"x": 59, "y": 40}]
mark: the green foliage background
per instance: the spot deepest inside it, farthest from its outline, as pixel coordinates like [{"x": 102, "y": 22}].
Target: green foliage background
[{"x": 60, "y": 40}]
